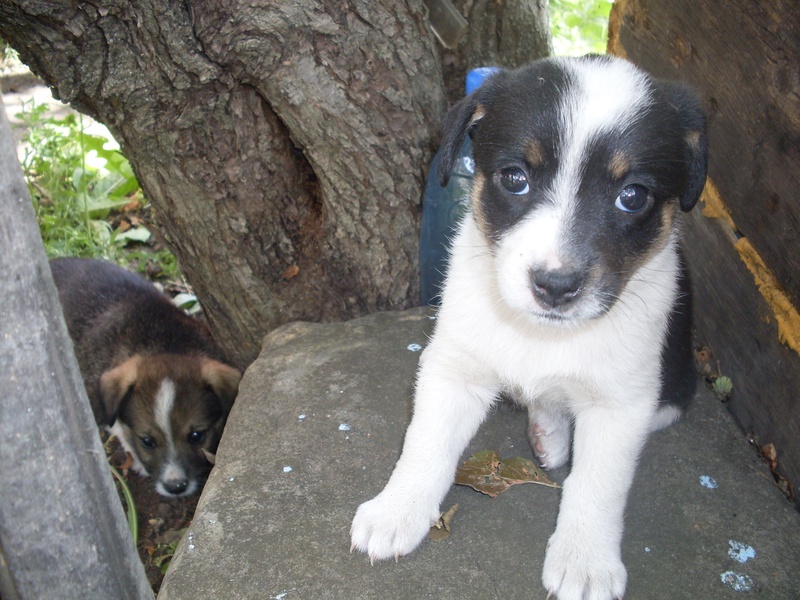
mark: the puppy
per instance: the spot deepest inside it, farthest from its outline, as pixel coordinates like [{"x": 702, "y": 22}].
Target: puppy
[
  {"x": 566, "y": 288},
  {"x": 154, "y": 376}
]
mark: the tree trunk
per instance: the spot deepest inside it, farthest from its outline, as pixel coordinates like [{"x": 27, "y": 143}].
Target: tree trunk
[
  {"x": 282, "y": 144},
  {"x": 502, "y": 34}
]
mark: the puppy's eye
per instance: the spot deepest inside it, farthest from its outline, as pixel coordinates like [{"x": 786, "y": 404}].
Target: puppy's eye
[
  {"x": 633, "y": 199},
  {"x": 148, "y": 442},
  {"x": 514, "y": 181},
  {"x": 197, "y": 437}
]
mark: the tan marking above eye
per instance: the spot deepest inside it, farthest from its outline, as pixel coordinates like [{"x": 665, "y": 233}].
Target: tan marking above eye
[
  {"x": 534, "y": 152},
  {"x": 693, "y": 140},
  {"x": 619, "y": 165}
]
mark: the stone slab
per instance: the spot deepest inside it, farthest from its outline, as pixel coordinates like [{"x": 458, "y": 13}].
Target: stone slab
[{"x": 319, "y": 424}]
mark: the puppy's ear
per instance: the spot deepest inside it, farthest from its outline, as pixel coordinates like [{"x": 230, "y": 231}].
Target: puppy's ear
[
  {"x": 460, "y": 121},
  {"x": 114, "y": 386},
  {"x": 695, "y": 142},
  {"x": 224, "y": 380}
]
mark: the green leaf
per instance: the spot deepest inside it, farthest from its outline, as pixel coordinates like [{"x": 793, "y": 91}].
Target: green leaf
[
  {"x": 134, "y": 234},
  {"x": 723, "y": 386}
]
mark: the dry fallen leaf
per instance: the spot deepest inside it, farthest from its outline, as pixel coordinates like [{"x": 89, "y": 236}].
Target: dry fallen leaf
[
  {"x": 441, "y": 529},
  {"x": 770, "y": 454},
  {"x": 487, "y": 473}
]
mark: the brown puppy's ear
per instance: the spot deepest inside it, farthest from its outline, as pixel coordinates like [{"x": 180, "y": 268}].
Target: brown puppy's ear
[
  {"x": 114, "y": 386},
  {"x": 224, "y": 380}
]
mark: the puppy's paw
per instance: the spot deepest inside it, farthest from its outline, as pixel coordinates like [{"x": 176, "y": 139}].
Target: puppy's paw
[
  {"x": 550, "y": 439},
  {"x": 390, "y": 526},
  {"x": 576, "y": 569}
]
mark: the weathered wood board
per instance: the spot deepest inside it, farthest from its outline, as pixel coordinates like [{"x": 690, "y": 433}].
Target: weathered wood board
[
  {"x": 744, "y": 59},
  {"x": 63, "y": 533}
]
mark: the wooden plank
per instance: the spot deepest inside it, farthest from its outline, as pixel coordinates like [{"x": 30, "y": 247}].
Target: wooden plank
[
  {"x": 735, "y": 321},
  {"x": 744, "y": 57},
  {"x": 63, "y": 533}
]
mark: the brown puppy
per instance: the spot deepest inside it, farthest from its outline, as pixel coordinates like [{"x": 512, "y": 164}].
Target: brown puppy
[{"x": 154, "y": 376}]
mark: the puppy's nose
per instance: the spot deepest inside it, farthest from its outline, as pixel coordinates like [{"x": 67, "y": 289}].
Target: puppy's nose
[
  {"x": 556, "y": 287},
  {"x": 176, "y": 486}
]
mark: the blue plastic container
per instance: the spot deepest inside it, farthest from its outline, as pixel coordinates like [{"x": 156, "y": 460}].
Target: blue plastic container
[{"x": 444, "y": 207}]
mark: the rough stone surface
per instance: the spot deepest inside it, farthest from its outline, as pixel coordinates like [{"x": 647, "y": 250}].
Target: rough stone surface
[{"x": 319, "y": 424}]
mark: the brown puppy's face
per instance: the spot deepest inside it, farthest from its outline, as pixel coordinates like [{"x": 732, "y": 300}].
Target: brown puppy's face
[{"x": 168, "y": 411}]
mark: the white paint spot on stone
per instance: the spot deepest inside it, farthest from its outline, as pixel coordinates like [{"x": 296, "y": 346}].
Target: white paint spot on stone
[
  {"x": 232, "y": 478},
  {"x": 287, "y": 469},
  {"x": 647, "y": 550},
  {"x": 737, "y": 581},
  {"x": 344, "y": 427},
  {"x": 302, "y": 417},
  {"x": 740, "y": 552},
  {"x": 191, "y": 540},
  {"x": 414, "y": 347},
  {"x": 708, "y": 482}
]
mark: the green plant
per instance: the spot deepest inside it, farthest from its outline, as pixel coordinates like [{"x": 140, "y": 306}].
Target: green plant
[
  {"x": 163, "y": 554},
  {"x": 130, "y": 507},
  {"x": 579, "y": 27},
  {"x": 78, "y": 182}
]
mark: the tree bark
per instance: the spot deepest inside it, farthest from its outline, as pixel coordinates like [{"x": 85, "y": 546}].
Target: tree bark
[
  {"x": 502, "y": 34},
  {"x": 283, "y": 144}
]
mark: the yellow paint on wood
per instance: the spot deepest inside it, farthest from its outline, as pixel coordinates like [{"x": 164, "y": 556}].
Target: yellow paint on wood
[
  {"x": 786, "y": 314},
  {"x": 714, "y": 207}
]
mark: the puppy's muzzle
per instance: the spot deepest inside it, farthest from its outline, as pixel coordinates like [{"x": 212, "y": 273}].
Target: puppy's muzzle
[
  {"x": 555, "y": 288},
  {"x": 176, "y": 487}
]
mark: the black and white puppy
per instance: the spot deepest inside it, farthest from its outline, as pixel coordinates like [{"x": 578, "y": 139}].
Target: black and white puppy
[
  {"x": 566, "y": 288},
  {"x": 154, "y": 376}
]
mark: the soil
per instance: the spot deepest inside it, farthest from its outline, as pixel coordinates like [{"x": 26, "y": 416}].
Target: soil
[{"x": 162, "y": 521}]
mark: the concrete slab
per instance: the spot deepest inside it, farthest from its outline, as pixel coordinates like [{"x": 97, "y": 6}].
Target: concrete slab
[{"x": 319, "y": 424}]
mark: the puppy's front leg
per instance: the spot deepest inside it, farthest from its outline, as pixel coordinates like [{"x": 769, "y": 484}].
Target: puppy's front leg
[
  {"x": 449, "y": 406},
  {"x": 583, "y": 555}
]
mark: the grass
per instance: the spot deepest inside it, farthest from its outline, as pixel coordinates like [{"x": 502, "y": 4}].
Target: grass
[{"x": 130, "y": 506}]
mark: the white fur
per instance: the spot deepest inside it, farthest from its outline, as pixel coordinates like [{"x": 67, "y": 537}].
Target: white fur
[
  {"x": 604, "y": 374},
  {"x": 599, "y": 375},
  {"x": 122, "y": 433},
  {"x": 171, "y": 469}
]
